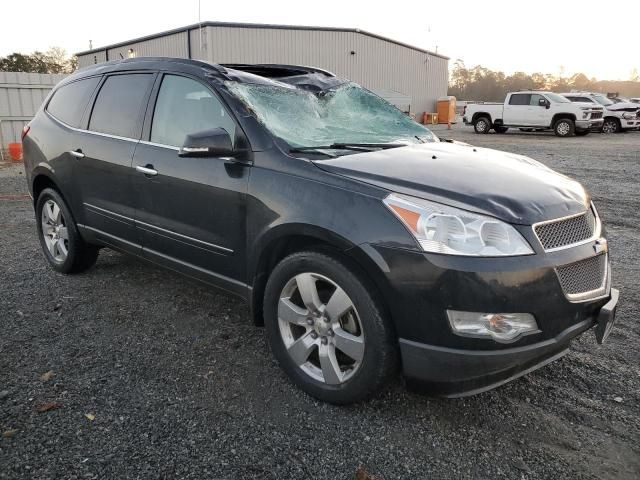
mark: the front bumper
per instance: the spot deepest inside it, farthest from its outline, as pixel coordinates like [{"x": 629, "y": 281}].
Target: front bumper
[
  {"x": 457, "y": 373},
  {"x": 589, "y": 124},
  {"x": 624, "y": 123},
  {"x": 421, "y": 287}
]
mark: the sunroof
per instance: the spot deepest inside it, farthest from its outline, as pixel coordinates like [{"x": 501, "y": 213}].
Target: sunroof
[{"x": 267, "y": 71}]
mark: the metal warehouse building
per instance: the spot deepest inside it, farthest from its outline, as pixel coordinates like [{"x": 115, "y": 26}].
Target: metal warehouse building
[{"x": 407, "y": 76}]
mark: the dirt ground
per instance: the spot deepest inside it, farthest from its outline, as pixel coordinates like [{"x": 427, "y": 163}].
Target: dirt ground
[{"x": 153, "y": 376}]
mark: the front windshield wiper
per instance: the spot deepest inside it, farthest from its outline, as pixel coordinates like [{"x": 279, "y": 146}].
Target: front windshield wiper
[{"x": 363, "y": 147}]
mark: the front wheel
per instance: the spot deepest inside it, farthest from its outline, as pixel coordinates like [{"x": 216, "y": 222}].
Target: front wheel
[
  {"x": 482, "y": 125},
  {"x": 63, "y": 247},
  {"x": 564, "y": 127},
  {"x": 326, "y": 328},
  {"x": 611, "y": 125}
]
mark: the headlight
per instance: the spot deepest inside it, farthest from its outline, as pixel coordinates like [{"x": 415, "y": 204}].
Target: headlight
[
  {"x": 443, "y": 229},
  {"x": 628, "y": 116},
  {"x": 586, "y": 114}
]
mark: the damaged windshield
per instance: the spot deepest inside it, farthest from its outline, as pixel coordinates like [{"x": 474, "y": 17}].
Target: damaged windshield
[{"x": 346, "y": 114}]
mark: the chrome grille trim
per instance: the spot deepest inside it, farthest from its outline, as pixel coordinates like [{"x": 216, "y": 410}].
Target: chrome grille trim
[
  {"x": 586, "y": 279},
  {"x": 568, "y": 232}
]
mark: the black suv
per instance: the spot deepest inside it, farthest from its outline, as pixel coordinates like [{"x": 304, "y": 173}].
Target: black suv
[{"x": 362, "y": 241}]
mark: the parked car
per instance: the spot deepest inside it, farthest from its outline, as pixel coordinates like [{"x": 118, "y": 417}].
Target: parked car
[
  {"x": 618, "y": 117},
  {"x": 362, "y": 241},
  {"x": 534, "y": 110},
  {"x": 635, "y": 100}
]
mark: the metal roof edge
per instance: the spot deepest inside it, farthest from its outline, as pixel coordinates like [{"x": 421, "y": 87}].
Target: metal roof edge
[{"x": 188, "y": 28}]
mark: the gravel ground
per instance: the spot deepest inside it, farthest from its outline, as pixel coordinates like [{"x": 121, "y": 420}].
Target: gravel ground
[{"x": 157, "y": 377}]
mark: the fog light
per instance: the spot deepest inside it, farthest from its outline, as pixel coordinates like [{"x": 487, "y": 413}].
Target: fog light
[{"x": 502, "y": 327}]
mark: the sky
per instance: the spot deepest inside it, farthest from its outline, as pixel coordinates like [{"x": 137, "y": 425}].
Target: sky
[{"x": 541, "y": 36}]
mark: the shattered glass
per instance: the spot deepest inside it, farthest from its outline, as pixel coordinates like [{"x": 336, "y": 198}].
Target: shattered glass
[{"x": 344, "y": 114}]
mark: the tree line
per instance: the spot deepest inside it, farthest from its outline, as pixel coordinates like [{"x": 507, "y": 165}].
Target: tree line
[
  {"x": 54, "y": 60},
  {"x": 475, "y": 83},
  {"x": 483, "y": 84}
]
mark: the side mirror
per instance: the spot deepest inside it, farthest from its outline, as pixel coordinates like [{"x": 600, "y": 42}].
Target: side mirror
[
  {"x": 208, "y": 143},
  {"x": 544, "y": 103}
]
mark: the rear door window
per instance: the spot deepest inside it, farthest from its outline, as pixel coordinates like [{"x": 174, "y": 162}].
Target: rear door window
[
  {"x": 69, "y": 101},
  {"x": 118, "y": 107},
  {"x": 520, "y": 99},
  {"x": 186, "y": 106}
]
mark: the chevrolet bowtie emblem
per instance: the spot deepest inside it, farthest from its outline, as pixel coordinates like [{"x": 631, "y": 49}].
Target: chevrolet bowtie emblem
[{"x": 600, "y": 245}]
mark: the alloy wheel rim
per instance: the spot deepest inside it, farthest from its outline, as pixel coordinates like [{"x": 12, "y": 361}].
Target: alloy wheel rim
[
  {"x": 54, "y": 231},
  {"x": 320, "y": 328},
  {"x": 609, "y": 127},
  {"x": 563, "y": 128},
  {"x": 482, "y": 126}
]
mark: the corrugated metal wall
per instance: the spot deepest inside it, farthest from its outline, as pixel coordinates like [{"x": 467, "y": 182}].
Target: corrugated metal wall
[
  {"x": 21, "y": 95},
  {"x": 92, "y": 58},
  {"x": 375, "y": 63},
  {"x": 168, "y": 46}
]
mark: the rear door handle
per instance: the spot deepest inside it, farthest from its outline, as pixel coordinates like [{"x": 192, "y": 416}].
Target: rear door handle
[
  {"x": 148, "y": 170},
  {"x": 77, "y": 153}
]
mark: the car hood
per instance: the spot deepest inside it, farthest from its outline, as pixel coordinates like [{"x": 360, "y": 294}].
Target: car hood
[
  {"x": 510, "y": 187},
  {"x": 624, "y": 107}
]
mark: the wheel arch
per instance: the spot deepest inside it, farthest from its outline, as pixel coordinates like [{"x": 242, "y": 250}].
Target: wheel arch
[
  {"x": 287, "y": 239},
  {"x": 481, "y": 114},
  {"x": 43, "y": 179},
  {"x": 561, "y": 116}
]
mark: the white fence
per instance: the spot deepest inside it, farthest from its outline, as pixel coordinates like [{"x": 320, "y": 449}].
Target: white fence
[{"x": 21, "y": 94}]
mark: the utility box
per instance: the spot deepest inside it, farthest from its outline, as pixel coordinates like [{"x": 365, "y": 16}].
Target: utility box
[{"x": 447, "y": 109}]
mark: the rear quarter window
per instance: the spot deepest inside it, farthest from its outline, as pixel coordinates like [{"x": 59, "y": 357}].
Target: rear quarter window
[
  {"x": 69, "y": 101},
  {"x": 118, "y": 106}
]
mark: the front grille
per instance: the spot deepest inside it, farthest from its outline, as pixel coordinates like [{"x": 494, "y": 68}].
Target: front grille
[
  {"x": 596, "y": 115},
  {"x": 584, "y": 279},
  {"x": 567, "y": 231}
]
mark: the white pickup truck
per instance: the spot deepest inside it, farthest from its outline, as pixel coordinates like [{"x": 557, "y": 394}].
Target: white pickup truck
[{"x": 537, "y": 110}]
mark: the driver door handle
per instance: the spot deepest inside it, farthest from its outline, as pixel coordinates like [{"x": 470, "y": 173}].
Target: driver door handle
[
  {"x": 147, "y": 170},
  {"x": 77, "y": 153}
]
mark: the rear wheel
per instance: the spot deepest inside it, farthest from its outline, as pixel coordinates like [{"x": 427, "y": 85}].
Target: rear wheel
[
  {"x": 61, "y": 243},
  {"x": 501, "y": 129},
  {"x": 326, "y": 329},
  {"x": 482, "y": 125},
  {"x": 611, "y": 125},
  {"x": 564, "y": 127}
]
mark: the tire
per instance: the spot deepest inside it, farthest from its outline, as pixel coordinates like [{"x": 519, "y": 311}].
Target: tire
[
  {"x": 63, "y": 247},
  {"x": 564, "y": 127},
  {"x": 582, "y": 133},
  {"x": 482, "y": 125},
  {"x": 501, "y": 129},
  {"x": 362, "y": 328},
  {"x": 611, "y": 125}
]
